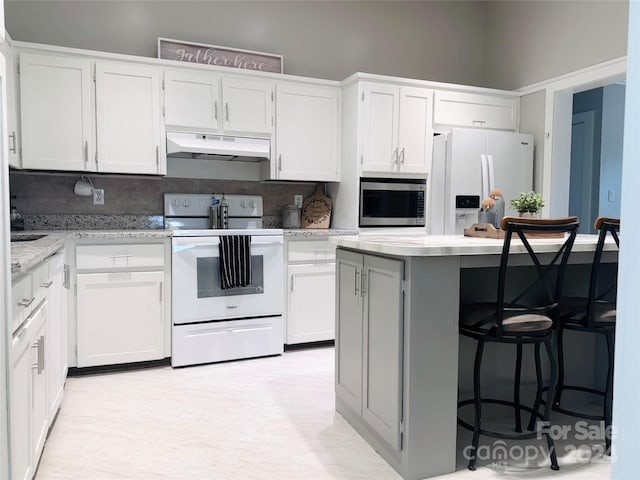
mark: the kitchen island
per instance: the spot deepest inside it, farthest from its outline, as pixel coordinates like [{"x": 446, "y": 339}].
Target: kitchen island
[{"x": 397, "y": 342}]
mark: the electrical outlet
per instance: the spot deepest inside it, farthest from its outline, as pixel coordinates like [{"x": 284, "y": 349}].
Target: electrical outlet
[
  {"x": 297, "y": 201},
  {"x": 611, "y": 196},
  {"x": 98, "y": 196}
]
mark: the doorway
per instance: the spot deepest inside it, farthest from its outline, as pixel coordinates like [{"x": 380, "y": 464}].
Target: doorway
[{"x": 596, "y": 154}]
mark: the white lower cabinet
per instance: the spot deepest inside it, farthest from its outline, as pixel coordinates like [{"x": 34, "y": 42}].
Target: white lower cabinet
[
  {"x": 120, "y": 317},
  {"x": 29, "y": 412},
  {"x": 310, "y": 286},
  {"x": 369, "y": 341},
  {"x": 311, "y": 311},
  {"x": 38, "y": 361}
]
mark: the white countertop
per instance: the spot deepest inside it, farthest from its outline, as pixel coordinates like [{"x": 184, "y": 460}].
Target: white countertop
[{"x": 421, "y": 245}]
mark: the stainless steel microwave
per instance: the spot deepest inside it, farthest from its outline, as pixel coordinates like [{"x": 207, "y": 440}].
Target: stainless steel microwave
[{"x": 390, "y": 202}]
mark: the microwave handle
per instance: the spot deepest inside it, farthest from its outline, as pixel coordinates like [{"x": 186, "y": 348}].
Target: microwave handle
[
  {"x": 485, "y": 176},
  {"x": 492, "y": 178}
]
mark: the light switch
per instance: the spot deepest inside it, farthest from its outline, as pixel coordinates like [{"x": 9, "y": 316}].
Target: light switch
[{"x": 611, "y": 196}]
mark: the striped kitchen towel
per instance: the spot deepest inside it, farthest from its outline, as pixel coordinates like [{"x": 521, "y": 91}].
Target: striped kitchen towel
[{"x": 235, "y": 261}]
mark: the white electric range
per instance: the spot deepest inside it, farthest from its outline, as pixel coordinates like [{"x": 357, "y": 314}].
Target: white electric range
[{"x": 211, "y": 324}]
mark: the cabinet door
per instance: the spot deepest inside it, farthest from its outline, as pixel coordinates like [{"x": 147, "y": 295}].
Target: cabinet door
[
  {"x": 192, "y": 100},
  {"x": 349, "y": 329},
  {"x": 473, "y": 110},
  {"x": 21, "y": 403},
  {"x": 307, "y": 133},
  {"x": 128, "y": 119},
  {"x": 10, "y": 81},
  {"x": 415, "y": 134},
  {"x": 120, "y": 317},
  {"x": 383, "y": 340},
  {"x": 380, "y": 128},
  {"x": 248, "y": 106},
  {"x": 56, "y": 334},
  {"x": 40, "y": 410},
  {"x": 55, "y": 113},
  {"x": 311, "y": 302}
]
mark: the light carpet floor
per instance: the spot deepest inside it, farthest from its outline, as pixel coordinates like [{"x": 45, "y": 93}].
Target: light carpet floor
[{"x": 263, "y": 419}]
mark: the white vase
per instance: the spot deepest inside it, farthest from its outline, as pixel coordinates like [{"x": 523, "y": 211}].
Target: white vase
[{"x": 529, "y": 214}]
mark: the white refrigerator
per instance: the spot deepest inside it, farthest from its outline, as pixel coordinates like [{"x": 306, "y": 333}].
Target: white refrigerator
[{"x": 467, "y": 164}]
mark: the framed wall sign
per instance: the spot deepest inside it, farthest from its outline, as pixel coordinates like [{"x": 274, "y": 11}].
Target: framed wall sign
[{"x": 170, "y": 49}]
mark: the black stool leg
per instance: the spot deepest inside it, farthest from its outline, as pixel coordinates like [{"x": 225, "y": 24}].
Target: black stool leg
[
  {"x": 547, "y": 406},
  {"x": 477, "y": 404},
  {"x": 536, "y": 404},
  {"x": 516, "y": 389},
  {"x": 608, "y": 394},
  {"x": 560, "y": 351}
]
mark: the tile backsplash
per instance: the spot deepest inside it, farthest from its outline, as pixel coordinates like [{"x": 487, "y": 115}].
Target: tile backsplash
[{"x": 49, "y": 198}]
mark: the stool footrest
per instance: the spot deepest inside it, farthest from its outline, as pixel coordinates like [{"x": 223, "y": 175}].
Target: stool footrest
[{"x": 500, "y": 435}]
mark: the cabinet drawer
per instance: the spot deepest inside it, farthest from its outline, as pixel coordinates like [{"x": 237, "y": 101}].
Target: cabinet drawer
[
  {"x": 119, "y": 256},
  {"x": 22, "y": 301},
  {"x": 311, "y": 250}
]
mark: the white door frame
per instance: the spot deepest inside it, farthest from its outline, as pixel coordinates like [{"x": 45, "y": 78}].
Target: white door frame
[{"x": 5, "y": 279}]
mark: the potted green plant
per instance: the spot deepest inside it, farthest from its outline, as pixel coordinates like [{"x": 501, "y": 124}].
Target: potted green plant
[{"x": 528, "y": 204}]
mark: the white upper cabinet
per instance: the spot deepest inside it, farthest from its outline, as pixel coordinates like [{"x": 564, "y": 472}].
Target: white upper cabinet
[
  {"x": 212, "y": 103},
  {"x": 192, "y": 100},
  {"x": 130, "y": 137},
  {"x": 475, "y": 110},
  {"x": 397, "y": 129},
  {"x": 55, "y": 113},
  {"x": 415, "y": 130},
  {"x": 248, "y": 106},
  {"x": 10, "y": 81},
  {"x": 307, "y": 133}
]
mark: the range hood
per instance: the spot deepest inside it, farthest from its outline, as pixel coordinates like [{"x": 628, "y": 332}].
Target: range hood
[{"x": 217, "y": 147}]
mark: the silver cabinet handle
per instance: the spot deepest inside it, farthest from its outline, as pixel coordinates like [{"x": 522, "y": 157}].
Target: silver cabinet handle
[
  {"x": 357, "y": 286},
  {"x": 481, "y": 122},
  {"x": 46, "y": 284},
  {"x": 215, "y": 110},
  {"x": 402, "y": 156},
  {"x": 157, "y": 155},
  {"x": 291, "y": 283},
  {"x": 363, "y": 290},
  {"x": 280, "y": 162},
  {"x": 86, "y": 153},
  {"x": 120, "y": 256},
  {"x": 12, "y": 149},
  {"x": 394, "y": 157},
  {"x": 26, "y": 302},
  {"x": 41, "y": 355},
  {"x": 161, "y": 290},
  {"x": 67, "y": 277},
  {"x": 226, "y": 109}
]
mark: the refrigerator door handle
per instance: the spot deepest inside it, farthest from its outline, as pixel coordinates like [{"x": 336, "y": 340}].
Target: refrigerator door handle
[
  {"x": 492, "y": 178},
  {"x": 485, "y": 175}
]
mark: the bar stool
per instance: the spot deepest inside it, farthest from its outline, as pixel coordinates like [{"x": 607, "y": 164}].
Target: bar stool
[
  {"x": 520, "y": 316},
  {"x": 595, "y": 314}
]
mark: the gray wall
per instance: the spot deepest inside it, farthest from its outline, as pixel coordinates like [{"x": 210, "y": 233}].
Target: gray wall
[
  {"x": 435, "y": 40},
  {"x": 528, "y": 42},
  {"x": 611, "y": 149}
]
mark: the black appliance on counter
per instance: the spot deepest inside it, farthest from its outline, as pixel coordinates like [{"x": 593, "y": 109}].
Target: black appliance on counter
[{"x": 17, "y": 220}]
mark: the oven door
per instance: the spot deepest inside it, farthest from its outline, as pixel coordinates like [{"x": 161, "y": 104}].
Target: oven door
[
  {"x": 196, "y": 292},
  {"x": 391, "y": 204}
]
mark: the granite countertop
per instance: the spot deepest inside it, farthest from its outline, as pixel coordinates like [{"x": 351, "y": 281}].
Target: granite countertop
[
  {"x": 317, "y": 232},
  {"x": 422, "y": 245},
  {"x": 25, "y": 255}
]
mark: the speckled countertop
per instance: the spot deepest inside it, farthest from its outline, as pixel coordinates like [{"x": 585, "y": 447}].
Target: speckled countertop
[
  {"x": 317, "y": 232},
  {"x": 25, "y": 255}
]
